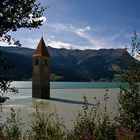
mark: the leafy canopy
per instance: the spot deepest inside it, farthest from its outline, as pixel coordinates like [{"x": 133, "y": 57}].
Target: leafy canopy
[
  {"x": 16, "y": 14},
  {"x": 129, "y": 98}
]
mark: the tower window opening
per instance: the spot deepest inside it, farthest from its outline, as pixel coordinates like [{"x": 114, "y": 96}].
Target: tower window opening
[
  {"x": 36, "y": 62},
  {"x": 46, "y": 62}
]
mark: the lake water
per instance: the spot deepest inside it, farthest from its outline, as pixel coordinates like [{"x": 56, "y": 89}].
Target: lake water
[
  {"x": 72, "y": 91},
  {"x": 69, "y": 85},
  {"x": 66, "y": 97}
]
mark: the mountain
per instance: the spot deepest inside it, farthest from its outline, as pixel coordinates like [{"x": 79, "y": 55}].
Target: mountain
[{"x": 67, "y": 65}]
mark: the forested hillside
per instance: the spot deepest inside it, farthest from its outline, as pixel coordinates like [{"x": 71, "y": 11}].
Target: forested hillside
[{"x": 67, "y": 65}]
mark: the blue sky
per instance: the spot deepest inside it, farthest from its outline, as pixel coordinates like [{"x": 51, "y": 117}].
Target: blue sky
[{"x": 85, "y": 24}]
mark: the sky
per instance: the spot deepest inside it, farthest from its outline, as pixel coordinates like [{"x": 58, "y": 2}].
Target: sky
[{"x": 84, "y": 24}]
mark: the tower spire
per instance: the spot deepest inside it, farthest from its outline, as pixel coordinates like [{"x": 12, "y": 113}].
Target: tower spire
[{"x": 41, "y": 49}]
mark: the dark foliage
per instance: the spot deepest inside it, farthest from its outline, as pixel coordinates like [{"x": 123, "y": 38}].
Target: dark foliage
[
  {"x": 15, "y": 14},
  {"x": 18, "y": 14},
  {"x": 129, "y": 98},
  {"x": 70, "y": 65}
]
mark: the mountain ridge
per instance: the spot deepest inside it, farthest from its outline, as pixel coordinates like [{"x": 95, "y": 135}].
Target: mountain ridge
[{"x": 68, "y": 65}]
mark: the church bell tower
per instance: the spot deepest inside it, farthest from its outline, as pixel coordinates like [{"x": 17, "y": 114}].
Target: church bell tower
[{"x": 41, "y": 72}]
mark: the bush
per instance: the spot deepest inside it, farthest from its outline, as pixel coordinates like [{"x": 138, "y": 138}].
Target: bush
[
  {"x": 129, "y": 97},
  {"x": 12, "y": 127},
  {"x": 46, "y": 127},
  {"x": 92, "y": 124}
]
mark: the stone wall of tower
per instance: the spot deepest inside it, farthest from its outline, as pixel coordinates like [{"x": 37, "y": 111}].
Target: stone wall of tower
[{"x": 41, "y": 77}]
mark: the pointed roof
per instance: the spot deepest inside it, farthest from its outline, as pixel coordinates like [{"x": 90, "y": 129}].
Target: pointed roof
[{"x": 41, "y": 49}]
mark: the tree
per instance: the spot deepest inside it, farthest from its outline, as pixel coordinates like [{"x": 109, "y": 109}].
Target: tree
[
  {"x": 129, "y": 98},
  {"x": 16, "y": 14}
]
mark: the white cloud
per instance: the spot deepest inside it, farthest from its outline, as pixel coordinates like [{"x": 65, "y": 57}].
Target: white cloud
[
  {"x": 57, "y": 26},
  {"x": 96, "y": 43},
  {"x": 82, "y": 30},
  {"x": 52, "y": 36},
  {"x": 37, "y": 19},
  {"x": 3, "y": 43},
  {"x": 93, "y": 42},
  {"x": 6, "y": 44},
  {"x": 59, "y": 44},
  {"x": 30, "y": 42},
  {"x": 67, "y": 45},
  {"x": 43, "y": 18},
  {"x": 68, "y": 28}
]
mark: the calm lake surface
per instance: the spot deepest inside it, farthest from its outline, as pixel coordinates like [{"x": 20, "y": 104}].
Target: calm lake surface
[
  {"x": 69, "y": 85},
  {"x": 66, "y": 98},
  {"x": 62, "y": 90}
]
